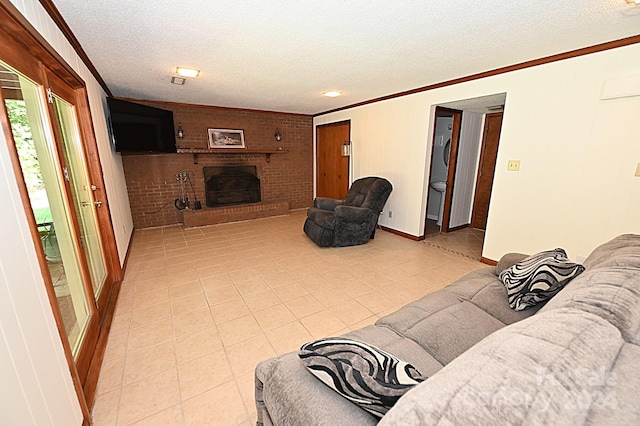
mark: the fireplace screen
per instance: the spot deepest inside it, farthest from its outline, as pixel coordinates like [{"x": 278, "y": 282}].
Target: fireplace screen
[{"x": 228, "y": 185}]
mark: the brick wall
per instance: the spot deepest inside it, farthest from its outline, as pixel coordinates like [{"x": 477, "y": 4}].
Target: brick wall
[{"x": 151, "y": 179}]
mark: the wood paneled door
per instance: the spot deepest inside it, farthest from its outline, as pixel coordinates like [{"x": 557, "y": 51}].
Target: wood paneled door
[
  {"x": 486, "y": 169},
  {"x": 332, "y": 166},
  {"x": 44, "y": 113}
]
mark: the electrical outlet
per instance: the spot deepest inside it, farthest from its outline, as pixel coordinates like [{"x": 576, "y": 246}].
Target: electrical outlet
[
  {"x": 390, "y": 214},
  {"x": 513, "y": 165}
]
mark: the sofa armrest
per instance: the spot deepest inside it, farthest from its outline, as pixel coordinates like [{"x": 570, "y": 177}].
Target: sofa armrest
[
  {"x": 508, "y": 260},
  {"x": 326, "y": 203}
]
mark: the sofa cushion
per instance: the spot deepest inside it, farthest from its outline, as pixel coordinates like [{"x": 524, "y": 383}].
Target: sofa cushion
[
  {"x": 364, "y": 374},
  {"x": 538, "y": 278},
  {"x": 447, "y": 322},
  {"x": 537, "y": 371}
]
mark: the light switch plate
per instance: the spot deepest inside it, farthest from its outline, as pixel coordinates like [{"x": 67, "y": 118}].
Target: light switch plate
[
  {"x": 513, "y": 165},
  {"x": 638, "y": 170}
]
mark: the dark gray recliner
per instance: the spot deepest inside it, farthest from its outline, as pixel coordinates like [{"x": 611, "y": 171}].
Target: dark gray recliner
[{"x": 348, "y": 222}]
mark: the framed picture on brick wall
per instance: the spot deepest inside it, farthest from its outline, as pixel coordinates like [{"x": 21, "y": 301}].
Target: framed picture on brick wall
[{"x": 226, "y": 138}]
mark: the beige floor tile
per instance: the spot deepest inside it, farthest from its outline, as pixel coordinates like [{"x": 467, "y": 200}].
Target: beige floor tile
[
  {"x": 146, "y": 300},
  {"x": 278, "y": 279},
  {"x": 228, "y": 311},
  {"x": 332, "y": 297},
  {"x": 146, "y": 316},
  {"x": 251, "y": 286},
  {"x": 171, "y": 416},
  {"x": 322, "y": 324},
  {"x": 105, "y": 409},
  {"x": 110, "y": 375},
  {"x": 290, "y": 291},
  {"x": 350, "y": 312},
  {"x": 274, "y": 317},
  {"x": 186, "y": 289},
  {"x": 239, "y": 329},
  {"x": 245, "y": 355},
  {"x": 120, "y": 323},
  {"x": 243, "y": 275},
  {"x": 195, "y": 345},
  {"x": 148, "y": 396},
  {"x": 216, "y": 281},
  {"x": 289, "y": 337},
  {"x": 192, "y": 321},
  {"x": 247, "y": 387},
  {"x": 188, "y": 304},
  {"x": 262, "y": 300},
  {"x": 204, "y": 373},
  {"x": 150, "y": 335},
  {"x": 182, "y": 277},
  {"x": 148, "y": 362},
  {"x": 375, "y": 301},
  {"x": 150, "y": 285},
  {"x": 124, "y": 305},
  {"x": 219, "y": 406},
  {"x": 304, "y": 306},
  {"x": 116, "y": 345},
  {"x": 218, "y": 295}
]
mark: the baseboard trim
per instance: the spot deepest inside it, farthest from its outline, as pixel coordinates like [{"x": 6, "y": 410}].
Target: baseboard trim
[
  {"x": 402, "y": 234},
  {"x": 490, "y": 262}
]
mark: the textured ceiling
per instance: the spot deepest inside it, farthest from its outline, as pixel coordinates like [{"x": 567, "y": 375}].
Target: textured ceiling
[{"x": 281, "y": 55}]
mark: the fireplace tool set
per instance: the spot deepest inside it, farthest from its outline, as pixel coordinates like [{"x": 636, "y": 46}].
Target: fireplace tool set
[{"x": 182, "y": 202}]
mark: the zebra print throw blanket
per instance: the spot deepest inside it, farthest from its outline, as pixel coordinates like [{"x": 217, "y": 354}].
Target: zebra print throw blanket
[
  {"x": 365, "y": 375},
  {"x": 538, "y": 278}
]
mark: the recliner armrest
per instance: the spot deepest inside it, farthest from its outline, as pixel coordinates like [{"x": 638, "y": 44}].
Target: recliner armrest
[
  {"x": 326, "y": 203},
  {"x": 353, "y": 214}
]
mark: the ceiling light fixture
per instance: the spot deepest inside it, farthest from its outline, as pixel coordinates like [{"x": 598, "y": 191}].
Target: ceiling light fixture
[
  {"x": 332, "y": 93},
  {"x": 633, "y": 1},
  {"x": 178, "y": 80},
  {"x": 187, "y": 72}
]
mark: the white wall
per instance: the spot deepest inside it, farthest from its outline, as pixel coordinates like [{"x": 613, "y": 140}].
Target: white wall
[
  {"x": 575, "y": 188},
  {"x": 35, "y": 382}
]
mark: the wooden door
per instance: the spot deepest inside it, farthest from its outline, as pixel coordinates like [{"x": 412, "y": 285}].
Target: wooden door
[
  {"x": 486, "y": 169},
  {"x": 332, "y": 166}
]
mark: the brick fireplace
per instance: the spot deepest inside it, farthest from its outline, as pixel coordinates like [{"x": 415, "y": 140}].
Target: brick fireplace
[
  {"x": 229, "y": 185},
  {"x": 286, "y": 181}
]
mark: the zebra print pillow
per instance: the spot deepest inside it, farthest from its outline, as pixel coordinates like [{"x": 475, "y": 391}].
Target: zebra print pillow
[
  {"x": 365, "y": 375},
  {"x": 538, "y": 278}
]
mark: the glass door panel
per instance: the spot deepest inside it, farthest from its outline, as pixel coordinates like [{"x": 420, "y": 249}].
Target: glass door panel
[
  {"x": 81, "y": 192},
  {"x": 44, "y": 180}
]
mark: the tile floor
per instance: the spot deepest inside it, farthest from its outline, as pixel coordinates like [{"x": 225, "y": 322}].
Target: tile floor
[
  {"x": 200, "y": 307},
  {"x": 465, "y": 242}
]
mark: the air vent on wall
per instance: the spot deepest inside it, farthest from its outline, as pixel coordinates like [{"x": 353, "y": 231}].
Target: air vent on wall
[{"x": 495, "y": 107}]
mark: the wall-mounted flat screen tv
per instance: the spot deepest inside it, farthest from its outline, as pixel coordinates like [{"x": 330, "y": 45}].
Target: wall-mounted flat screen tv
[{"x": 141, "y": 128}]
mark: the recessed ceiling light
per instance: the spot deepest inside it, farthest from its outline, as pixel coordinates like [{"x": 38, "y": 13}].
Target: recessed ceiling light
[
  {"x": 633, "y": 1},
  {"x": 332, "y": 93},
  {"x": 187, "y": 72},
  {"x": 178, "y": 80}
]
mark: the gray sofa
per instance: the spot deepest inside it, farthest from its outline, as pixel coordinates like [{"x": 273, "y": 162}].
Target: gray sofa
[{"x": 575, "y": 360}]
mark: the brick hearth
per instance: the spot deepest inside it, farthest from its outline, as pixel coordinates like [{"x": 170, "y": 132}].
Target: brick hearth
[{"x": 213, "y": 216}]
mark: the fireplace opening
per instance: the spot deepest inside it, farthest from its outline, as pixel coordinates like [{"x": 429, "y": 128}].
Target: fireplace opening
[{"x": 228, "y": 185}]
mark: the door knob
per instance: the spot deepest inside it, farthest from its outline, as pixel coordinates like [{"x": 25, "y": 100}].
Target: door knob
[
  {"x": 85, "y": 204},
  {"x": 97, "y": 203}
]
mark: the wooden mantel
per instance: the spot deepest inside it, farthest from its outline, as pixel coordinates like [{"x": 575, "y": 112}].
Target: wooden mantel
[{"x": 236, "y": 151}]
